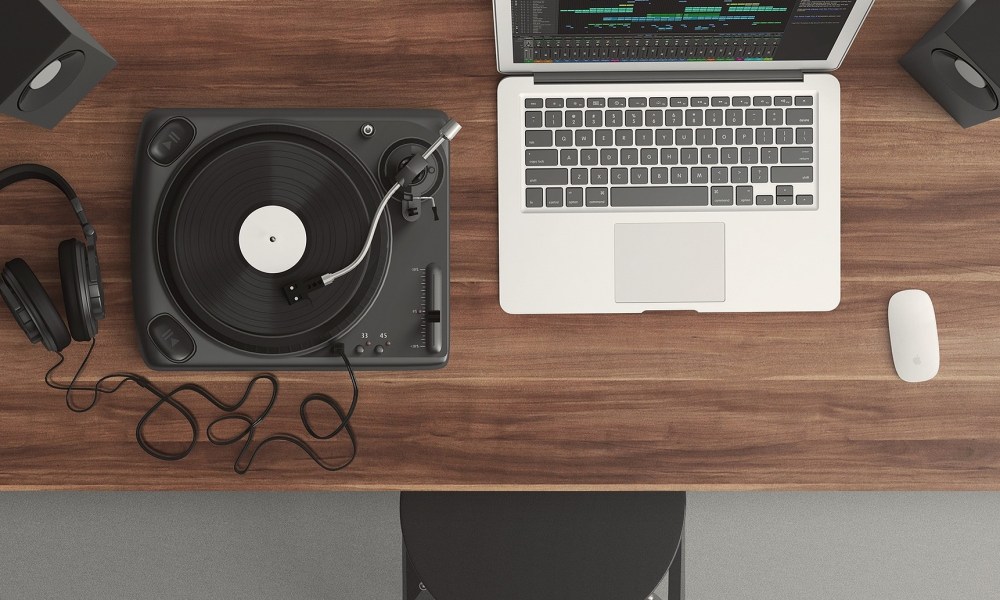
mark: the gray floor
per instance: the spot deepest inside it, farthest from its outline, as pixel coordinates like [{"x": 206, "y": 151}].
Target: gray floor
[{"x": 342, "y": 546}]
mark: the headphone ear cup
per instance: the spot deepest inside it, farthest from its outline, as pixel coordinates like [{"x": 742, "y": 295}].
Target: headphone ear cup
[
  {"x": 31, "y": 306},
  {"x": 73, "y": 276}
]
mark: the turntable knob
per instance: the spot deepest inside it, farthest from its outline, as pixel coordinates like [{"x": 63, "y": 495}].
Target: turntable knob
[{"x": 367, "y": 130}]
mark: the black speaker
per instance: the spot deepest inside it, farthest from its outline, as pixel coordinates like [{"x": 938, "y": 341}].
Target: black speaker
[
  {"x": 958, "y": 61},
  {"x": 48, "y": 61}
]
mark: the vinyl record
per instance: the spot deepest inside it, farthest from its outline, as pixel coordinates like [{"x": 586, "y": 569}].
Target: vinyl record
[{"x": 311, "y": 178}]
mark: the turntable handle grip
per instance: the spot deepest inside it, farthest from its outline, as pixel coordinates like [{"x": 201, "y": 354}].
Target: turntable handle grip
[{"x": 435, "y": 303}]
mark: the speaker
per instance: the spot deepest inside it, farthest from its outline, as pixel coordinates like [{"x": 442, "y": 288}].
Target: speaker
[
  {"x": 958, "y": 61},
  {"x": 48, "y": 62}
]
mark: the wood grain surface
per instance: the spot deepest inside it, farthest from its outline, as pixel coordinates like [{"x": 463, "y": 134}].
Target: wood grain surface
[{"x": 666, "y": 401}]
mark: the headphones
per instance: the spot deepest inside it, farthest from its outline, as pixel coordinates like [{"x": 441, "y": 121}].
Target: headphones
[{"x": 79, "y": 273}]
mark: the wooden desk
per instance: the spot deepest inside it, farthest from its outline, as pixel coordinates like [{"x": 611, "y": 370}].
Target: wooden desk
[{"x": 671, "y": 401}]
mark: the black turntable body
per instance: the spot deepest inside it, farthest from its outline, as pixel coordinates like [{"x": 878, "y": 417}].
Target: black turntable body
[{"x": 231, "y": 205}]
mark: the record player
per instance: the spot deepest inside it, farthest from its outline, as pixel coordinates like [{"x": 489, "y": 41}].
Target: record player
[{"x": 229, "y": 206}]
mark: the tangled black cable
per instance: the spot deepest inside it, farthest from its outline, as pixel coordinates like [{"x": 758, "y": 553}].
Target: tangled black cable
[{"x": 250, "y": 424}]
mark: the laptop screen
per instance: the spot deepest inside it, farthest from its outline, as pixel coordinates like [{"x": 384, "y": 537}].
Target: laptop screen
[{"x": 606, "y": 31}]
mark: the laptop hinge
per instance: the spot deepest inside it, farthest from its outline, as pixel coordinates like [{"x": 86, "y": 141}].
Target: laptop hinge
[{"x": 666, "y": 76}]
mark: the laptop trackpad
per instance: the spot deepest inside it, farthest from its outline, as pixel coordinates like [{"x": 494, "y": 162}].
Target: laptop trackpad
[{"x": 670, "y": 262}]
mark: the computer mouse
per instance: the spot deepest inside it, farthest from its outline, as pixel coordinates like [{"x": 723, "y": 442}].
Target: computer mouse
[{"x": 913, "y": 336}]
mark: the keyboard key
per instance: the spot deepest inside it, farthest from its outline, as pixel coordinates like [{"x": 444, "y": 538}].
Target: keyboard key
[
  {"x": 699, "y": 101},
  {"x": 654, "y": 118},
  {"x": 762, "y": 101},
  {"x": 740, "y": 175},
  {"x": 630, "y": 156},
  {"x": 791, "y": 174},
  {"x": 675, "y": 102},
  {"x": 734, "y": 117},
  {"x": 804, "y": 199},
  {"x": 597, "y": 197},
  {"x": 758, "y": 174},
  {"x": 619, "y": 176},
  {"x": 595, "y": 103},
  {"x": 660, "y": 196},
  {"x": 535, "y": 139},
  {"x": 720, "y": 101},
  {"x": 748, "y": 156},
  {"x": 553, "y": 103},
  {"x": 722, "y": 195},
  {"x": 754, "y": 117},
  {"x": 639, "y": 175},
  {"x": 678, "y": 175},
  {"x": 553, "y": 119},
  {"x": 699, "y": 174},
  {"x": 714, "y": 117},
  {"x": 744, "y": 136},
  {"x": 668, "y": 156},
  {"x": 604, "y": 137},
  {"x": 803, "y": 101},
  {"x": 769, "y": 155},
  {"x": 574, "y": 118},
  {"x": 684, "y": 137},
  {"x": 637, "y": 102},
  {"x": 609, "y": 156},
  {"x": 744, "y": 195},
  {"x": 569, "y": 157},
  {"x": 664, "y": 137},
  {"x": 533, "y": 198},
  {"x": 575, "y": 103},
  {"x": 553, "y": 197},
  {"x": 574, "y": 197},
  {"x": 784, "y": 190},
  {"x": 599, "y": 176},
  {"x": 588, "y": 156},
  {"x": 649, "y": 156},
  {"x": 803, "y": 135},
  {"x": 694, "y": 117},
  {"x": 741, "y": 101},
  {"x": 623, "y": 137},
  {"x": 773, "y": 116},
  {"x": 613, "y": 118},
  {"x": 659, "y": 101},
  {"x": 533, "y": 118},
  {"x": 783, "y": 136},
  {"x": 729, "y": 156},
  {"x": 764, "y": 200},
  {"x": 784, "y": 200},
  {"x": 799, "y": 116},
  {"x": 795, "y": 154},
  {"x": 689, "y": 156},
  {"x": 541, "y": 158},
  {"x": 659, "y": 175},
  {"x": 783, "y": 101},
  {"x": 633, "y": 118},
  {"x": 720, "y": 174},
  {"x": 617, "y": 102},
  {"x": 673, "y": 118},
  {"x": 723, "y": 136},
  {"x": 593, "y": 118},
  {"x": 546, "y": 176},
  {"x": 584, "y": 137},
  {"x": 709, "y": 156},
  {"x": 578, "y": 176},
  {"x": 703, "y": 136},
  {"x": 643, "y": 137},
  {"x": 763, "y": 135},
  {"x": 564, "y": 137},
  {"x": 533, "y": 103}
]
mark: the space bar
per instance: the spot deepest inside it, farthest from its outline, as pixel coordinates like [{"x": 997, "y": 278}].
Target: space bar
[{"x": 692, "y": 195}]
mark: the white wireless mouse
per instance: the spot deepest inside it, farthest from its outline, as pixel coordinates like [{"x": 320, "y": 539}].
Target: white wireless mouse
[{"x": 913, "y": 336}]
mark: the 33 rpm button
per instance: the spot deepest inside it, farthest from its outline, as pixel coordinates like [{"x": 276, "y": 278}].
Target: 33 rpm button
[
  {"x": 171, "y": 140},
  {"x": 171, "y": 338}
]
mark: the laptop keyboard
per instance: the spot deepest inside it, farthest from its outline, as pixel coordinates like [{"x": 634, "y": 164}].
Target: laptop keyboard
[{"x": 673, "y": 152}]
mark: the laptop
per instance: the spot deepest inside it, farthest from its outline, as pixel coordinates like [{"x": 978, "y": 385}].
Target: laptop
[{"x": 670, "y": 154}]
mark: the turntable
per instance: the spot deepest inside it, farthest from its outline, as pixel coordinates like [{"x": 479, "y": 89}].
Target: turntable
[{"x": 230, "y": 207}]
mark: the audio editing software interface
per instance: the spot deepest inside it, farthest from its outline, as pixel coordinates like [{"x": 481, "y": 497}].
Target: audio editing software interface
[{"x": 675, "y": 30}]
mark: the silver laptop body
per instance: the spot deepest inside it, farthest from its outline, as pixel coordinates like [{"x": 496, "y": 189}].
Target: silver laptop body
[{"x": 670, "y": 154}]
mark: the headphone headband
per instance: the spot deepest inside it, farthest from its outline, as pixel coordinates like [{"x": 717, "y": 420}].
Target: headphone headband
[{"x": 24, "y": 172}]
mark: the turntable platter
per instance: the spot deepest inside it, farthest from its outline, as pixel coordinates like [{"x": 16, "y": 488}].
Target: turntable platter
[{"x": 308, "y": 197}]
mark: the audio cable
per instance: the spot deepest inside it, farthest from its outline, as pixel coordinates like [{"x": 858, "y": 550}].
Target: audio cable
[
  {"x": 298, "y": 291},
  {"x": 113, "y": 382}
]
